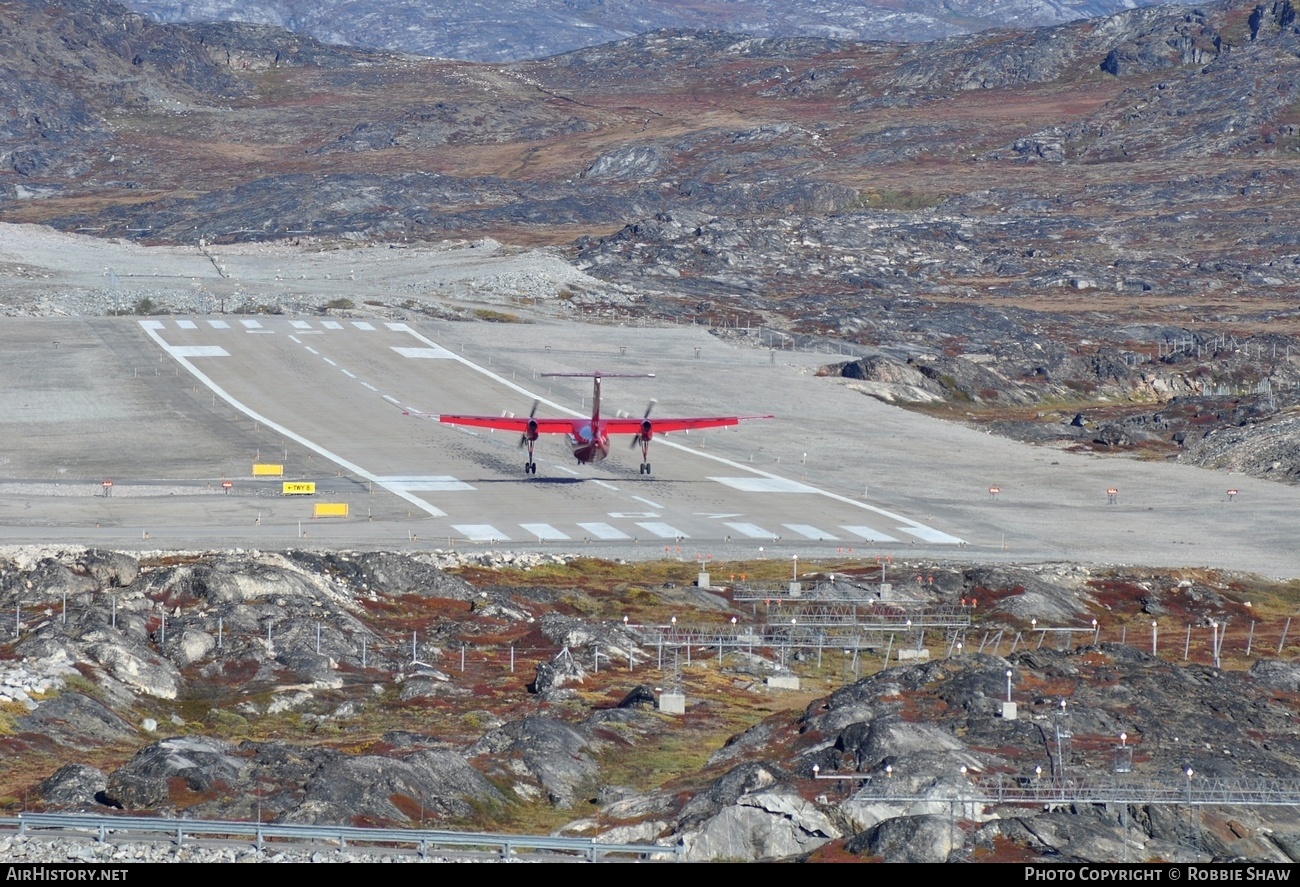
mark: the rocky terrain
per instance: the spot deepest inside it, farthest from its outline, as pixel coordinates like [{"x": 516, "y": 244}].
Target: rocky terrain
[
  {"x": 491, "y": 693},
  {"x": 1081, "y": 235},
  {"x": 1080, "y": 232},
  {"x": 494, "y": 32}
]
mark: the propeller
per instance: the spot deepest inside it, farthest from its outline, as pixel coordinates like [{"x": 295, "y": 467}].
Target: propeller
[
  {"x": 523, "y": 438},
  {"x": 650, "y": 406}
]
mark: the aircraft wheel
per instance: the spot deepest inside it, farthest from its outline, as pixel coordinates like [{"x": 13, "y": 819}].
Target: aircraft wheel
[{"x": 647, "y": 468}]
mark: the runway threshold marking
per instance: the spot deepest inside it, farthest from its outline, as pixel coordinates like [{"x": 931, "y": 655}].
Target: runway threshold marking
[
  {"x": 867, "y": 534},
  {"x": 929, "y": 534},
  {"x": 151, "y": 328},
  {"x": 810, "y": 532},
  {"x": 662, "y": 530},
  {"x": 480, "y": 532},
  {"x": 753, "y": 531},
  {"x": 545, "y": 532},
  {"x": 604, "y": 531}
]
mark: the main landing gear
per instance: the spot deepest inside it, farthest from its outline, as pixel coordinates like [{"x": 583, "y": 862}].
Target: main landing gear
[
  {"x": 530, "y": 467},
  {"x": 644, "y": 437}
]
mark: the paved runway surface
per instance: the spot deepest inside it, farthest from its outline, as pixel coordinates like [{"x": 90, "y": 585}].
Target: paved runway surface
[{"x": 169, "y": 407}]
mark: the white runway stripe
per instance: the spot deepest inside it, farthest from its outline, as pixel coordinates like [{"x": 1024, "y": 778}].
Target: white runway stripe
[
  {"x": 810, "y": 532},
  {"x": 300, "y": 324},
  {"x": 480, "y": 532},
  {"x": 662, "y": 530},
  {"x": 604, "y": 531},
  {"x": 866, "y": 534},
  {"x": 251, "y": 324},
  {"x": 928, "y": 534},
  {"x": 187, "y": 324},
  {"x": 544, "y": 531},
  {"x": 218, "y": 324},
  {"x": 197, "y": 351},
  {"x": 331, "y": 324},
  {"x": 362, "y": 325},
  {"x": 753, "y": 531}
]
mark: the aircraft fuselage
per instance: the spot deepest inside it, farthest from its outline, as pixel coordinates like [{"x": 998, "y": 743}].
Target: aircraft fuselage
[{"x": 588, "y": 441}]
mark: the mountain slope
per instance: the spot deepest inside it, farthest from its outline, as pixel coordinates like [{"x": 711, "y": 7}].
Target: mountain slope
[{"x": 495, "y": 32}]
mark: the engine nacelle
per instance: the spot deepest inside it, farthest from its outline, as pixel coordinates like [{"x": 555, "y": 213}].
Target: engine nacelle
[
  {"x": 646, "y": 430},
  {"x": 531, "y": 432}
]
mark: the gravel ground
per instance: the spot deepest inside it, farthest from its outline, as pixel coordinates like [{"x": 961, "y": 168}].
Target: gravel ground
[{"x": 47, "y": 273}]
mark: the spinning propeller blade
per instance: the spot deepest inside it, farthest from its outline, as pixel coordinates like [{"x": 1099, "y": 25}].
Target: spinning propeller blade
[
  {"x": 523, "y": 438},
  {"x": 636, "y": 438}
]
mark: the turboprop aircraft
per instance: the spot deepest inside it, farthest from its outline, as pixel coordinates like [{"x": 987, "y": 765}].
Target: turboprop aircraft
[{"x": 589, "y": 438}]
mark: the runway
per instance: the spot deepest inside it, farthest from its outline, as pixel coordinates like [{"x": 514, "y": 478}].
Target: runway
[
  {"x": 356, "y": 393},
  {"x": 170, "y": 407}
]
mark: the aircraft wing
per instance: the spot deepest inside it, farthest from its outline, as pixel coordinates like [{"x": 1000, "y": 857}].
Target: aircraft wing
[
  {"x": 661, "y": 426},
  {"x": 511, "y": 423}
]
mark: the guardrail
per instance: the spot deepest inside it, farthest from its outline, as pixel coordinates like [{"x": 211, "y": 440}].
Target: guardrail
[{"x": 101, "y": 826}]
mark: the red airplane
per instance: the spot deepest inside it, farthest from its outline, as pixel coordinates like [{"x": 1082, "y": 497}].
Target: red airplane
[{"x": 589, "y": 438}]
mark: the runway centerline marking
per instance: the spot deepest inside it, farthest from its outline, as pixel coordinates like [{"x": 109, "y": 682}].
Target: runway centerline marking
[{"x": 647, "y": 501}]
